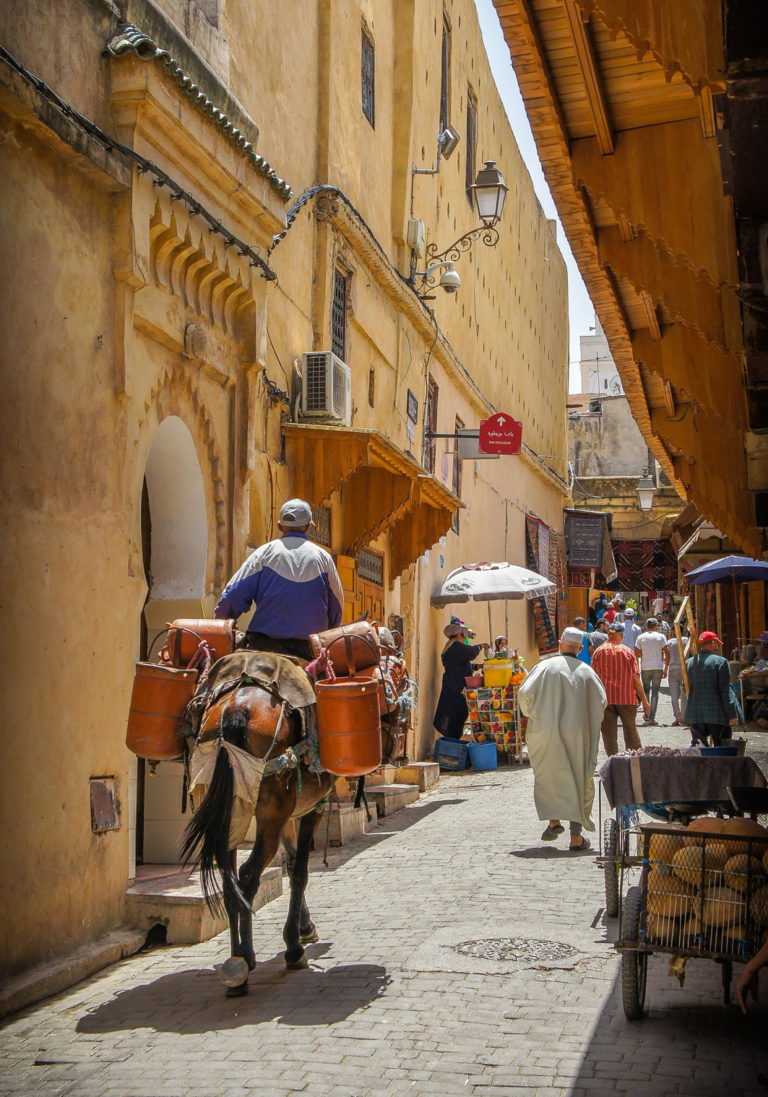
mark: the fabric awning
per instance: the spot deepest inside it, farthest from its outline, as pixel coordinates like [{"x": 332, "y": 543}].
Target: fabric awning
[{"x": 383, "y": 489}]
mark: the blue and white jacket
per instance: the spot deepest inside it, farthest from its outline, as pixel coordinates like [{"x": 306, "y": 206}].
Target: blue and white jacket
[{"x": 294, "y": 585}]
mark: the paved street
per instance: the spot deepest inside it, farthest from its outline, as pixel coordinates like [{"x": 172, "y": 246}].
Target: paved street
[{"x": 435, "y": 974}]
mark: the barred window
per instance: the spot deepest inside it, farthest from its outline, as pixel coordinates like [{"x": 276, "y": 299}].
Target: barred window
[
  {"x": 339, "y": 315},
  {"x": 430, "y": 421},
  {"x": 471, "y": 153},
  {"x": 367, "y": 70},
  {"x": 456, "y": 480},
  {"x": 445, "y": 69},
  {"x": 370, "y": 566},
  {"x": 321, "y": 531}
]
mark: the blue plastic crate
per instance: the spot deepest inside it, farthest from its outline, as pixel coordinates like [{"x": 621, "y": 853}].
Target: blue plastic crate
[
  {"x": 483, "y": 755},
  {"x": 451, "y": 754}
]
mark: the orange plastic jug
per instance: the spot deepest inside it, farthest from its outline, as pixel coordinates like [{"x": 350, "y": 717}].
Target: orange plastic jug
[
  {"x": 160, "y": 695},
  {"x": 348, "y": 727}
]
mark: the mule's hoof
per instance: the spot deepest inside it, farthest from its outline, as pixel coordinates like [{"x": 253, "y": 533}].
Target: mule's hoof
[
  {"x": 237, "y": 992},
  {"x": 297, "y": 965},
  {"x": 310, "y": 937},
  {"x": 234, "y": 972}
]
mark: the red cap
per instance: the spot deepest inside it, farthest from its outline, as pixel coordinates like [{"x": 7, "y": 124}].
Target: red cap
[{"x": 709, "y": 637}]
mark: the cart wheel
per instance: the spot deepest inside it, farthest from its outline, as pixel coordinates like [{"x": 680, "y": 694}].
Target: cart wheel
[
  {"x": 727, "y": 977},
  {"x": 611, "y": 869},
  {"x": 634, "y": 965}
]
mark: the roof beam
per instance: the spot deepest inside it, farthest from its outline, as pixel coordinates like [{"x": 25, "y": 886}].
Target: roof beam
[{"x": 585, "y": 55}]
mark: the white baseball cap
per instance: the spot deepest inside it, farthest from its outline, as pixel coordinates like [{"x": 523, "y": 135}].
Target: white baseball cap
[
  {"x": 295, "y": 514},
  {"x": 629, "y": 612}
]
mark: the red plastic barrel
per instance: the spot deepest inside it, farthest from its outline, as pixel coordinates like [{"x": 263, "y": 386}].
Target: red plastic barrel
[
  {"x": 348, "y": 727},
  {"x": 160, "y": 695}
]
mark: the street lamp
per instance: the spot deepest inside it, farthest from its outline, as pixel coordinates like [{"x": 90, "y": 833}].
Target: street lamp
[
  {"x": 490, "y": 191},
  {"x": 646, "y": 489}
]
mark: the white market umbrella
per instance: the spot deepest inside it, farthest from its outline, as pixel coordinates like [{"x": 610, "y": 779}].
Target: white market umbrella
[{"x": 491, "y": 582}]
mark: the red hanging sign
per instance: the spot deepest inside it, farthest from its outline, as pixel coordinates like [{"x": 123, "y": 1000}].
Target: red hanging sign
[{"x": 501, "y": 434}]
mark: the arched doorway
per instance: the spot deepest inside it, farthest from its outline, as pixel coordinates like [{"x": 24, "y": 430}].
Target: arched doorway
[{"x": 174, "y": 532}]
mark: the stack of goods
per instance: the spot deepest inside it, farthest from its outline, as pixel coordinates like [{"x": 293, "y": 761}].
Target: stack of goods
[
  {"x": 707, "y": 886},
  {"x": 493, "y": 713}
]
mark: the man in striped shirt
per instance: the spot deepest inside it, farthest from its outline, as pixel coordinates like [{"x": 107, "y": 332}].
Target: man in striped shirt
[{"x": 616, "y": 667}]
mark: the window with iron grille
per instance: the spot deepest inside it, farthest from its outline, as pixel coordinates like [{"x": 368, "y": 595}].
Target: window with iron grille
[
  {"x": 339, "y": 315},
  {"x": 321, "y": 531},
  {"x": 456, "y": 479},
  {"x": 430, "y": 418},
  {"x": 445, "y": 68},
  {"x": 370, "y": 566},
  {"x": 367, "y": 70},
  {"x": 471, "y": 143}
]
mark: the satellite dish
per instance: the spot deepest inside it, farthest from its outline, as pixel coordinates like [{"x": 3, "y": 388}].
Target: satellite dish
[{"x": 615, "y": 385}]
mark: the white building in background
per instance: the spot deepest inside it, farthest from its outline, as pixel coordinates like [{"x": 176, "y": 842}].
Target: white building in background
[{"x": 598, "y": 372}]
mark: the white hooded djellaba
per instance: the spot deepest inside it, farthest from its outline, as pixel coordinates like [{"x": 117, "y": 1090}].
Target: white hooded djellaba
[{"x": 564, "y": 701}]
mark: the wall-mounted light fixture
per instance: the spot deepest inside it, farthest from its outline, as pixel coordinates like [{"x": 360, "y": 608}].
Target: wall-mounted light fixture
[
  {"x": 489, "y": 191},
  {"x": 646, "y": 489}
]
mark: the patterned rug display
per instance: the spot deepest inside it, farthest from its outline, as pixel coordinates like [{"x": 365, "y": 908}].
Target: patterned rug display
[
  {"x": 538, "y": 543},
  {"x": 645, "y": 565}
]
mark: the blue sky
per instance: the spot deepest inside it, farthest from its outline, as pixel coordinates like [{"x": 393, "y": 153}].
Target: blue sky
[{"x": 580, "y": 309}]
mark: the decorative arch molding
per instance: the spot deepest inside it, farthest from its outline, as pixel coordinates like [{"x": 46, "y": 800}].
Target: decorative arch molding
[{"x": 174, "y": 394}]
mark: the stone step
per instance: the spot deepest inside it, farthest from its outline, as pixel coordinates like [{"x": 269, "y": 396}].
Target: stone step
[
  {"x": 345, "y": 821},
  {"x": 174, "y": 899},
  {"x": 423, "y": 774},
  {"x": 391, "y": 798}
]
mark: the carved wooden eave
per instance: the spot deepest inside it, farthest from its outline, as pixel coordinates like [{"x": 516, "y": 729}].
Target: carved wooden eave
[
  {"x": 383, "y": 489},
  {"x": 619, "y": 94}
]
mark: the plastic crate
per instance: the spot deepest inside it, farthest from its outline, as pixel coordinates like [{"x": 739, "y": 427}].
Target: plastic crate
[
  {"x": 452, "y": 754},
  {"x": 483, "y": 755}
]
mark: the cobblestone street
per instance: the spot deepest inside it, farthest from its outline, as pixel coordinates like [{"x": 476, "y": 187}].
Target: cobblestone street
[{"x": 433, "y": 975}]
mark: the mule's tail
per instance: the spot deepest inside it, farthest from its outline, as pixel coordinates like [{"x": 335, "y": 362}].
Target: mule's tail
[{"x": 206, "y": 838}]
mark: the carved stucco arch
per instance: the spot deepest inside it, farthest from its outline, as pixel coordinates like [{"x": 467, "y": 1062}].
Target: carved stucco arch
[{"x": 174, "y": 394}]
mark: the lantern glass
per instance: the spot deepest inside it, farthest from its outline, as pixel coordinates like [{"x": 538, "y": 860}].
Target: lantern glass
[
  {"x": 490, "y": 192},
  {"x": 646, "y": 489}
]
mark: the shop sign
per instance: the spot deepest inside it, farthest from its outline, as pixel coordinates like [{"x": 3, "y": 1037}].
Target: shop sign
[{"x": 501, "y": 434}]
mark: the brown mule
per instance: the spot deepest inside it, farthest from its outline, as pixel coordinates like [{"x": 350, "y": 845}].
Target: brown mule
[{"x": 254, "y": 719}]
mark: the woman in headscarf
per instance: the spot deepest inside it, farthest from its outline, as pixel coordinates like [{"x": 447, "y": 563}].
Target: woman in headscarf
[{"x": 457, "y": 655}]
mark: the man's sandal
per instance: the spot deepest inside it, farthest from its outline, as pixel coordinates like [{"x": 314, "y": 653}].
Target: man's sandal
[{"x": 551, "y": 833}]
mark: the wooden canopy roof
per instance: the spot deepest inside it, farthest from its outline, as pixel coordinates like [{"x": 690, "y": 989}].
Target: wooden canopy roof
[
  {"x": 622, "y": 97},
  {"x": 382, "y": 487}
]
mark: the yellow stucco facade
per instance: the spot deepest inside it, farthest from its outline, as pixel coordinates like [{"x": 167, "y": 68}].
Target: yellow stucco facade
[{"x": 169, "y": 262}]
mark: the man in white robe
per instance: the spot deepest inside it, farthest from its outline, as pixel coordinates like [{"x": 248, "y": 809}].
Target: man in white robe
[{"x": 564, "y": 700}]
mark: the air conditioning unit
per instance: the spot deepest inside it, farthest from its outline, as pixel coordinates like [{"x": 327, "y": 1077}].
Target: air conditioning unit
[{"x": 326, "y": 387}]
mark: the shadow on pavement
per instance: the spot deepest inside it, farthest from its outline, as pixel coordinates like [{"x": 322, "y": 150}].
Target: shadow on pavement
[
  {"x": 193, "y": 1001},
  {"x": 688, "y": 1044},
  {"x": 545, "y": 853},
  {"x": 386, "y": 826}
]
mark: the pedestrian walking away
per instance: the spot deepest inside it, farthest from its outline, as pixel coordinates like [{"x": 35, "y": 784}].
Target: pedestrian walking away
[
  {"x": 616, "y": 667},
  {"x": 712, "y": 707},
  {"x": 292, "y": 582},
  {"x": 675, "y": 680},
  {"x": 653, "y": 658},
  {"x": 564, "y": 701},
  {"x": 631, "y": 629},
  {"x": 587, "y": 643},
  {"x": 457, "y": 655}
]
